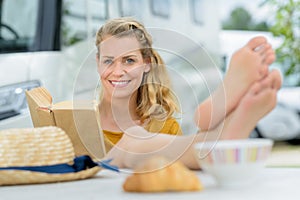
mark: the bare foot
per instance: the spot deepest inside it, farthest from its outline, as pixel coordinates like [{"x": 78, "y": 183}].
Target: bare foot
[
  {"x": 248, "y": 64},
  {"x": 255, "y": 104}
]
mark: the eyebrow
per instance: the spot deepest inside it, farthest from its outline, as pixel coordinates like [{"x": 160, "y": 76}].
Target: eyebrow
[
  {"x": 126, "y": 56},
  {"x": 111, "y": 57},
  {"x": 131, "y": 55}
]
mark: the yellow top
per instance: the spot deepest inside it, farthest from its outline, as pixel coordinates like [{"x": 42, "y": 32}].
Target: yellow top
[{"x": 170, "y": 126}]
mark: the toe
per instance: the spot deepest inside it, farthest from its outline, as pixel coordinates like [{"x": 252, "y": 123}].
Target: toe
[
  {"x": 263, "y": 48},
  {"x": 263, "y": 71},
  {"x": 270, "y": 57},
  {"x": 255, "y": 88},
  {"x": 256, "y": 42},
  {"x": 276, "y": 79}
]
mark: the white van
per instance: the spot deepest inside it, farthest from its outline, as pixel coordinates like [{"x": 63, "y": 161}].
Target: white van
[{"x": 50, "y": 43}]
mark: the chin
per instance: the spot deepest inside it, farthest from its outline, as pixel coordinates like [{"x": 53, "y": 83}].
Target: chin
[{"x": 121, "y": 95}]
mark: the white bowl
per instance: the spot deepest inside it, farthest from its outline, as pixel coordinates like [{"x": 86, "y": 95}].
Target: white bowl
[{"x": 233, "y": 162}]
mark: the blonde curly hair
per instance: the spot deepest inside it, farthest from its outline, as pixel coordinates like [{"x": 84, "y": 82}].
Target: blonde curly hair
[{"x": 155, "y": 98}]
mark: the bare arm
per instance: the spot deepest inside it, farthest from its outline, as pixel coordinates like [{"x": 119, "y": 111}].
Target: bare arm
[
  {"x": 212, "y": 111},
  {"x": 138, "y": 144}
]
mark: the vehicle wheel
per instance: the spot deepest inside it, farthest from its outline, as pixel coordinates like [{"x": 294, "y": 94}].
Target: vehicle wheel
[
  {"x": 258, "y": 132},
  {"x": 282, "y": 124},
  {"x": 294, "y": 142}
]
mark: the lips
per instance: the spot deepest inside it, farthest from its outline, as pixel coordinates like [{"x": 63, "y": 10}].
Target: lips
[{"x": 119, "y": 84}]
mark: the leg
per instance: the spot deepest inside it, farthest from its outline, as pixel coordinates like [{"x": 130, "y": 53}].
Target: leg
[
  {"x": 248, "y": 64},
  {"x": 256, "y": 103},
  {"x": 138, "y": 144}
]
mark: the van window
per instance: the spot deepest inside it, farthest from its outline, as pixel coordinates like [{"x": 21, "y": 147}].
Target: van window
[
  {"x": 132, "y": 8},
  {"x": 161, "y": 8},
  {"x": 197, "y": 11},
  {"x": 99, "y": 9},
  {"x": 81, "y": 18},
  {"x": 15, "y": 35},
  {"x": 73, "y": 22}
]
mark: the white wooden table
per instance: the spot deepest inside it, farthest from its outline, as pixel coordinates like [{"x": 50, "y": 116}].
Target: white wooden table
[{"x": 274, "y": 183}]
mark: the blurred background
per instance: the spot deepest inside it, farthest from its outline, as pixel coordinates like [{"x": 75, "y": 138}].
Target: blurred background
[{"x": 50, "y": 43}]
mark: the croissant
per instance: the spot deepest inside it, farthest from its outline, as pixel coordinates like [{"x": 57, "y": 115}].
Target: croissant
[{"x": 158, "y": 174}]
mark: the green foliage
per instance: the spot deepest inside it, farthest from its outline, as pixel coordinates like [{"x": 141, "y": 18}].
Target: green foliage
[
  {"x": 68, "y": 36},
  {"x": 240, "y": 19},
  {"x": 287, "y": 26}
]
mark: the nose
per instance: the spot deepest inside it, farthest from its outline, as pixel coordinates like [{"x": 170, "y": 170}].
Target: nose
[{"x": 118, "y": 69}]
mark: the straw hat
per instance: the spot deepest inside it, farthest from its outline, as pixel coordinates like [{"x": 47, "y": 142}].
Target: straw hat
[{"x": 45, "y": 146}]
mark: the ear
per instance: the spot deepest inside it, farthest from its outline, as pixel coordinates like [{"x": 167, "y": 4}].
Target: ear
[
  {"x": 97, "y": 57},
  {"x": 147, "y": 65},
  {"x": 97, "y": 61}
]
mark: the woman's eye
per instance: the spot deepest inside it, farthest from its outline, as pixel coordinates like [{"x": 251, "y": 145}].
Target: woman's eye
[
  {"x": 107, "y": 62},
  {"x": 129, "y": 61}
]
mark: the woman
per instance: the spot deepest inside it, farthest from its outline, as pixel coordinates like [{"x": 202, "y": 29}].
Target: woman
[
  {"x": 136, "y": 86},
  {"x": 136, "y": 94}
]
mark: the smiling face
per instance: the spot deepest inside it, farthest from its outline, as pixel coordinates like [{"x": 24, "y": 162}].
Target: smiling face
[{"x": 120, "y": 66}]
